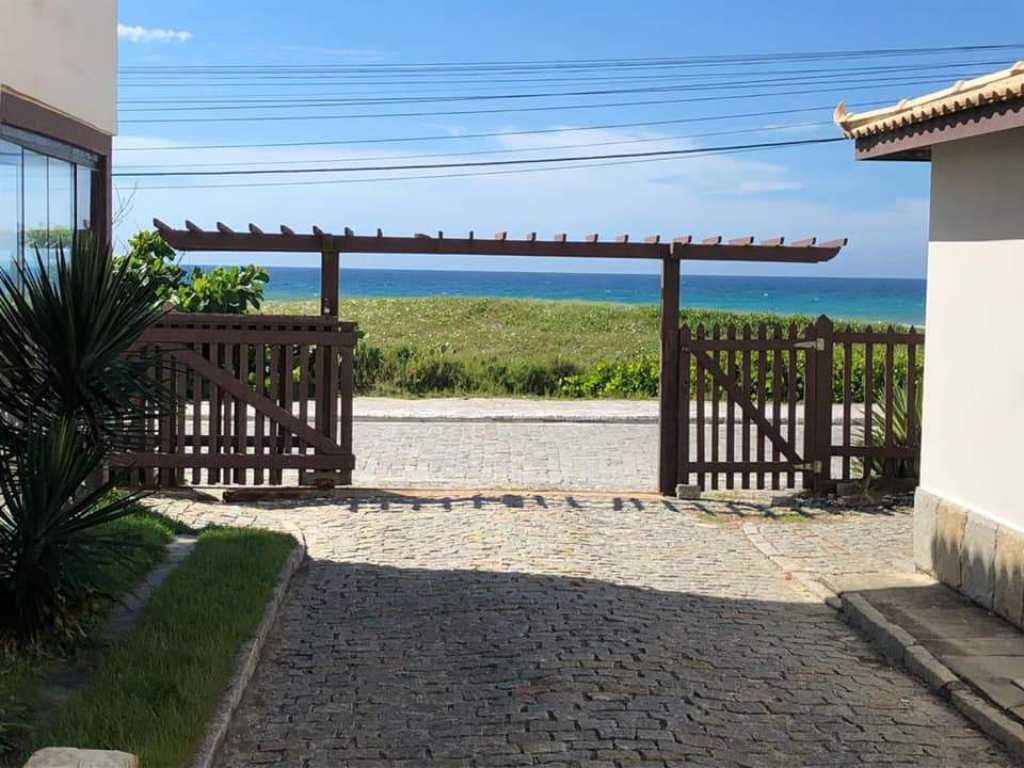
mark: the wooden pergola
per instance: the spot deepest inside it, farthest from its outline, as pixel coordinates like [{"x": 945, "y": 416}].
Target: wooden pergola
[{"x": 669, "y": 252}]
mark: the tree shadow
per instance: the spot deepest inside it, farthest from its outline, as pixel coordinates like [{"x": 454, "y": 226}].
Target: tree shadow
[{"x": 421, "y": 667}]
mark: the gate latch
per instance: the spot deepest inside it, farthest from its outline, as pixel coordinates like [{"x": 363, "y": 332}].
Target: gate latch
[
  {"x": 809, "y": 466},
  {"x": 816, "y": 344}
]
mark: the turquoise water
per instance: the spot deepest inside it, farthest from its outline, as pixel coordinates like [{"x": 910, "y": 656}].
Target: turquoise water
[{"x": 870, "y": 299}]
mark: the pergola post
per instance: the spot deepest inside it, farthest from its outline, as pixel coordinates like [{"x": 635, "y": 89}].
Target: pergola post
[
  {"x": 668, "y": 381},
  {"x": 329, "y": 264}
]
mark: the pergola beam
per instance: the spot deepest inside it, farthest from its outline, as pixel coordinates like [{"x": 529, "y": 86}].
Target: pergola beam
[
  {"x": 711, "y": 249},
  {"x": 684, "y": 248}
]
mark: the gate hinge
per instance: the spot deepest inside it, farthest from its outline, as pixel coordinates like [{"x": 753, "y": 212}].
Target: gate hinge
[{"x": 817, "y": 344}]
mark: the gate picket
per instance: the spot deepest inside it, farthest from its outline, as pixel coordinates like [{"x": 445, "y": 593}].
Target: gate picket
[
  {"x": 206, "y": 361},
  {"x": 794, "y": 371}
]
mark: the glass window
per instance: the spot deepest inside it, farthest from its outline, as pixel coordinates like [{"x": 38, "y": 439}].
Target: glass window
[
  {"x": 60, "y": 204},
  {"x": 45, "y": 200},
  {"x": 83, "y": 198},
  {"x": 34, "y": 205},
  {"x": 10, "y": 203}
]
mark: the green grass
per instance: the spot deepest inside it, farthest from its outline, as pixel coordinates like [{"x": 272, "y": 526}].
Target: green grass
[
  {"x": 584, "y": 333},
  {"x": 156, "y": 688},
  {"x": 446, "y": 346},
  {"x": 23, "y": 670}
]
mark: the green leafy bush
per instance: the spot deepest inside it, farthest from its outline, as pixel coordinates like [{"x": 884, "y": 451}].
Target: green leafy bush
[
  {"x": 153, "y": 262},
  {"x": 230, "y": 290}
]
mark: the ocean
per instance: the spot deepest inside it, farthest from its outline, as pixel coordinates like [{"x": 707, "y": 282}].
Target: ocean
[{"x": 867, "y": 299}]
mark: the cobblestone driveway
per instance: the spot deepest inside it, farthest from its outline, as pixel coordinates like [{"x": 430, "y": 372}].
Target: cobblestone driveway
[{"x": 568, "y": 631}]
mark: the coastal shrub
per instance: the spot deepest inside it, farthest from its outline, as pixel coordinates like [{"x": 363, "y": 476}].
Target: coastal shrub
[
  {"x": 546, "y": 348},
  {"x": 230, "y": 290},
  {"x": 153, "y": 263},
  {"x": 634, "y": 378}
]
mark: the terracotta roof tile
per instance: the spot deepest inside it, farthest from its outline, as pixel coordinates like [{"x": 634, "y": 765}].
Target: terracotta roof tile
[{"x": 1005, "y": 85}]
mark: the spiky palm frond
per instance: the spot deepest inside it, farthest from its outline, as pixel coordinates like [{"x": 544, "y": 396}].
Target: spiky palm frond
[
  {"x": 48, "y": 546},
  {"x": 67, "y": 335},
  {"x": 904, "y": 435}
]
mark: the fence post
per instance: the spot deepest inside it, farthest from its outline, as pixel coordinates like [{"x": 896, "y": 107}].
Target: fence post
[
  {"x": 668, "y": 379},
  {"x": 823, "y": 402}
]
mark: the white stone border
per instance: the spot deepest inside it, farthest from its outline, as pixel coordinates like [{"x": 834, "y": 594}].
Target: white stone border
[{"x": 248, "y": 657}]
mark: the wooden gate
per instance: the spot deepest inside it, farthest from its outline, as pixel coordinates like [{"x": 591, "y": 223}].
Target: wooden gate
[
  {"x": 769, "y": 408},
  {"x": 744, "y": 382},
  {"x": 255, "y": 396}
]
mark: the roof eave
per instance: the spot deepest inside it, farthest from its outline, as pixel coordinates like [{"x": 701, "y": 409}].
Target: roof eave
[{"x": 914, "y": 142}]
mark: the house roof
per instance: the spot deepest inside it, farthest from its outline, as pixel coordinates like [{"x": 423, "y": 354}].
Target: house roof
[{"x": 907, "y": 129}]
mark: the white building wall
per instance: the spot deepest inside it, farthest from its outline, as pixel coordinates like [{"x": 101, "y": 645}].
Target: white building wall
[
  {"x": 974, "y": 372},
  {"x": 63, "y": 53}
]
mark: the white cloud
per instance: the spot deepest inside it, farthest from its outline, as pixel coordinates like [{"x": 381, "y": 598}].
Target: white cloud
[
  {"x": 761, "y": 187},
  {"x": 733, "y": 195},
  {"x": 140, "y": 34}
]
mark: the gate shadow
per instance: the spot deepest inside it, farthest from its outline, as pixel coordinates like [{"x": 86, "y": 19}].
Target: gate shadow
[
  {"x": 739, "y": 506},
  {"x": 422, "y": 667}
]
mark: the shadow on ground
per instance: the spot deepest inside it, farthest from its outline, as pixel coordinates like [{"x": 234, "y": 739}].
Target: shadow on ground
[
  {"x": 378, "y": 665},
  {"x": 724, "y": 506}
]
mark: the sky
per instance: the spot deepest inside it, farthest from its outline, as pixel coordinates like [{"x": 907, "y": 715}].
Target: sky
[{"x": 375, "y": 50}]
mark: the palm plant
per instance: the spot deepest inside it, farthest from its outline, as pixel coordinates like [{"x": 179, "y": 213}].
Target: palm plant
[
  {"x": 904, "y": 435},
  {"x": 49, "y": 543},
  {"x": 67, "y": 336},
  {"x": 73, "y": 387}
]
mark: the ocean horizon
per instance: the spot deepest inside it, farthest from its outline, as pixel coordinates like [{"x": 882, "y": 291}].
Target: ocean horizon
[{"x": 886, "y": 300}]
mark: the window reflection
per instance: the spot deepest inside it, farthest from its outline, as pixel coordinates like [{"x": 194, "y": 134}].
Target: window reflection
[
  {"x": 61, "y": 206},
  {"x": 45, "y": 201},
  {"x": 36, "y": 235},
  {"x": 83, "y": 198},
  {"x": 10, "y": 203}
]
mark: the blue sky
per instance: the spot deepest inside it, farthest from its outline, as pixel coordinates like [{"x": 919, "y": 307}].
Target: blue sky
[{"x": 881, "y": 207}]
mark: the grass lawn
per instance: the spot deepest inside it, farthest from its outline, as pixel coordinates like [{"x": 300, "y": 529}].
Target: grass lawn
[
  {"x": 519, "y": 347},
  {"x": 584, "y": 333},
  {"x": 22, "y": 671},
  {"x": 158, "y": 686}
]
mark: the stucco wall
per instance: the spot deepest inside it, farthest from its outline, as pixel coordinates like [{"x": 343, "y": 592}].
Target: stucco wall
[
  {"x": 63, "y": 53},
  {"x": 974, "y": 373}
]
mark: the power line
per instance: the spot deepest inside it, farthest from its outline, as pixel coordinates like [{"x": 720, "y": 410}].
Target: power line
[
  {"x": 494, "y": 134},
  {"x": 507, "y": 110},
  {"x": 478, "y": 163},
  {"x": 285, "y": 102},
  {"x": 644, "y": 140},
  {"x": 291, "y": 81},
  {"x": 573, "y": 63},
  {"x": 417, "y": 177}
]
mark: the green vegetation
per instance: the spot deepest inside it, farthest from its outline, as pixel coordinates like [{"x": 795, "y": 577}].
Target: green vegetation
[
  {"x": 23, "y": 668},
  {"x": 417, "y": 347},
  {"x": 157, "y": 688},
  {"x": 72, "y": 384},
  {"x": 232, "y": 290}
]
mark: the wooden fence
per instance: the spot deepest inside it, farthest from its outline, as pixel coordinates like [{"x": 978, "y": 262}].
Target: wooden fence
[
  {"x": 254, "y": 396},
  {"x": 788, "y": 407}
]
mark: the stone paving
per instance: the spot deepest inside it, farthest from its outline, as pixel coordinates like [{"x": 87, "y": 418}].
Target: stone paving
[
  {"x": 573, "y": 630},
  {"x": 460, "y": 454}
]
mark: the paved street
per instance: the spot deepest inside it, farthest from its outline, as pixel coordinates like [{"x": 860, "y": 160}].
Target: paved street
[
  {"x": 503, "y": 443},
  {"x": 459, "y": 454},
  {"x": 573, "y": 630}
]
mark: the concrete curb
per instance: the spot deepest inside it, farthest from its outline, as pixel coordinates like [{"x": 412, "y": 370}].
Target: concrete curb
[
  {"x": 900, "y": 647},
  {"x": 248, "y": 658}
]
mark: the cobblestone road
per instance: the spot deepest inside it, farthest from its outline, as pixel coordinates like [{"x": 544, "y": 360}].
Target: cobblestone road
[
  {"x": 576, "y": 631},
  {"x": 446, "y": 454}
]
